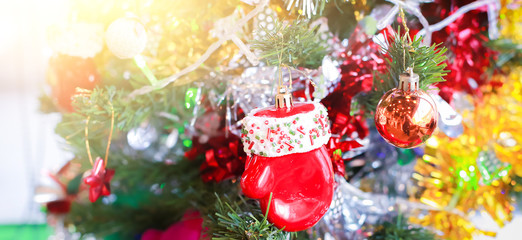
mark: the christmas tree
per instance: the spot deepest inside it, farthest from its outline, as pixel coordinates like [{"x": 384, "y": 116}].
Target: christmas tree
[{"x": 286, "y": 119}]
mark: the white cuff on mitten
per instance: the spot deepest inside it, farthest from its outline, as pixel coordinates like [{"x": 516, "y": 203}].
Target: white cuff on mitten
[{"x": 279, "y": 136}]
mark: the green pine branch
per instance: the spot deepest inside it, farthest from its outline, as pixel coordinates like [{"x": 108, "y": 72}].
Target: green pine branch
[
  {"x": 147, "y": 194},
  {"x": 127, "y": 115},
  {"x": 241, "y": 219},
  {"x": 294, "y": 45},
  {"x": 399, "y": 229},
  {"x": 509, "y": 52},
  {"x": 427, "y": 62}
]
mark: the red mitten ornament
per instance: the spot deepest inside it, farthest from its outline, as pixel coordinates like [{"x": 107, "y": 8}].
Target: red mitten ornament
[{"x": 287, "y": 158}]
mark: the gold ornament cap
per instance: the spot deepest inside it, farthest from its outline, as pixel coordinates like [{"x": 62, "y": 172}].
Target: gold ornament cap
[
  {"x": 409, "y": 81},
  {"x": 283, "y": 98}
]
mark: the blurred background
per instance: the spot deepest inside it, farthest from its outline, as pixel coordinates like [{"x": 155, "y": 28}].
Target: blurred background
[{"x": 28, "y": 144}]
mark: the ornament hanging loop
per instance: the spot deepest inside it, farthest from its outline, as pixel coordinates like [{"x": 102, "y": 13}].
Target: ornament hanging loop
[
  {"x": 406, "y": 37},
  {"x": 283, "y": 97},
  {"x": 403, "y": 19},
  {"x": 409, "y": 81},
  {"x": 87, "y": 145}
]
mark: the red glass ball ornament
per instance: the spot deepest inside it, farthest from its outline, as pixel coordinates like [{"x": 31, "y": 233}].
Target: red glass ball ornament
[
  {"x": 406, "y": 116},
  {"x": 66, "y": 73},
  {"x": 289, "y": 169}
]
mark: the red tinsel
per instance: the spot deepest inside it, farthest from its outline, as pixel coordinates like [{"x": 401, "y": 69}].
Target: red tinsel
[
  {"x": 338, "y": 162},
  {"x": 361, "y": 61},
  {"x": 468, "y": 57}
]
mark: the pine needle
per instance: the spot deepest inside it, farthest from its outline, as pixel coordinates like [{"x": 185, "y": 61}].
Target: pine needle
[
  {"x": 241, "y": 219},
  {"x": 427, "y": 62},
  {"x": 399, "y": 229},
  {"x": 294, "y": 45}
]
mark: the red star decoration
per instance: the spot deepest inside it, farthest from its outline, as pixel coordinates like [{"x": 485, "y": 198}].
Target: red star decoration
[{"x": 99, "y": 180}]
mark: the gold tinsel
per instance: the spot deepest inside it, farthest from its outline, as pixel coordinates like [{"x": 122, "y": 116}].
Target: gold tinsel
[
  {"x": 510, "y": 15},
  {"x": 453, "y": 226},
  {"x": 178, "y": 34},
  {"x": 503, "y": 113},
  {"x": 449, "y": 173}
]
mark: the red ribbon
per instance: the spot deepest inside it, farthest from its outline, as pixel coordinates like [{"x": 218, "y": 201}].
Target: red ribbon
[
  {"x": 465, "y": 40},
  {"x": 361, "y": 61},
  {"x": 224, "y": 158}
]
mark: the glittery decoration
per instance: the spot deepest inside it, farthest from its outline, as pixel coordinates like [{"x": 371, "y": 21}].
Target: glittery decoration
[
  {"x": 472, "y": 172},
  {"x": 490, "y": 167},
  {"x": 452, "y": 181},
  {"x": 502, "y": 111},
  {"x": 142, "y": 137},
  {"x": 452, "y": 225},
  {"x": 126, "y": 37},
  {"x": 510, "y": 15}
]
